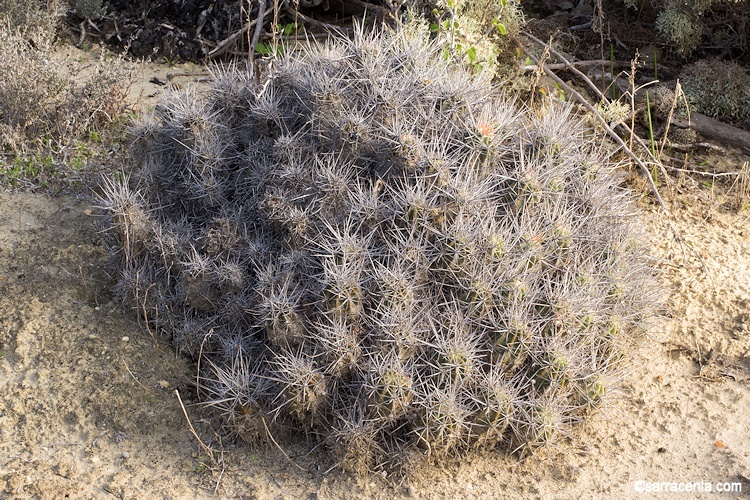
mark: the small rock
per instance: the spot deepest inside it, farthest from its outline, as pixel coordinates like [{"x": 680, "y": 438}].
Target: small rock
[
  {"x": 164, "y": 384},
  {"x": 125, "y": 454},
  {"x": 125, "y": 338}
]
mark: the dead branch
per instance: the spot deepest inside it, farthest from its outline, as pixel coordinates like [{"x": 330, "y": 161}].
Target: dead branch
[
  {"x": 225, "y": 44},
  {"x": 691, "y": 146},
  {"x": 581, "y": 64},
  {"x": 258, "y": 29},
  {"x": 715, "y": 130},
  {"x": 693, "y": 170},
  {"x": 566, "y": 64},
  {"x": 296, "y": 15}
]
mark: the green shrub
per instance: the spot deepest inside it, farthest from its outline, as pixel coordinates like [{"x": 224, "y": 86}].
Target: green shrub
[
  {"x": 682, "y": 24},
  {"x": 89, "y": 9},
  {"x": 475, "y": 32},
  {"x": 718, "y": 88}
]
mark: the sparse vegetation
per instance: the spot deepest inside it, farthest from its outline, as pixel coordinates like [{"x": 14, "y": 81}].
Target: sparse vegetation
[
  {"x": 683, "y": 24},
  {"x": 89, "y": 9},
  {"x": 476, "y": 33},
  {"x": 49, "y": 103}
]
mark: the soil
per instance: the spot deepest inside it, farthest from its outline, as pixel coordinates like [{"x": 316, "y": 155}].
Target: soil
[{"x": 93, "y": 406}]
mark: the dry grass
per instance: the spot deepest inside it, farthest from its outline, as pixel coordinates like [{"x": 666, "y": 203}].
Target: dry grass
[{"x": 51, "y": 106}]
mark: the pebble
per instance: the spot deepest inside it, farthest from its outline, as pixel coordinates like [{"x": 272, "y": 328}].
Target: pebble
[
  {"x": 164, "y": 384},
  {"x": 125, "y": 454},
  {"x": 125, "y": 339}
]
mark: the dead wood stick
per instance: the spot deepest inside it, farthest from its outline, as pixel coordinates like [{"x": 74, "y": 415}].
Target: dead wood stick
[
  {"x": 715, "y": 130},
  {"x": 258, "y": 29},
  {"x": 688, "y": 147},
  {"x": 694, "y": 170},
  {"x": 568, "y": 65},
  {"x": 580, "y": 64}
]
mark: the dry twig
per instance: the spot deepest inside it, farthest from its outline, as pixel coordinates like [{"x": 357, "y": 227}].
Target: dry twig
[
  {"x": 258, "y": 29},
  {"x": 225, "y": 44},
  {"x": 209, "y": 451},
  {"x": 309, "y": 20},
  {"x": 280, "y": 448}
]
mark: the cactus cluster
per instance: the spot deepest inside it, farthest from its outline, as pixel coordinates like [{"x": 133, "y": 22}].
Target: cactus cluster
[{"x": 376, "y": 247}]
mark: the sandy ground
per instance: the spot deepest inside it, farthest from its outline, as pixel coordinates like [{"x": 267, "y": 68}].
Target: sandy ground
[{"x": 89, "y": 406}]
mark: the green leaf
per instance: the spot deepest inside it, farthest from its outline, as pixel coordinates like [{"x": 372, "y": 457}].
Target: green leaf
[
  {"x": 502, "y": 29},
  {"x": 262, "y": 49},
  {"x": 471, "y": 52},
  {"x": 434, "y": 28}
]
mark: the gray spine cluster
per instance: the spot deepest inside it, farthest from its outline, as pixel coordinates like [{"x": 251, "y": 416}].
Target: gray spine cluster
[{"x": 378, "y": 247}]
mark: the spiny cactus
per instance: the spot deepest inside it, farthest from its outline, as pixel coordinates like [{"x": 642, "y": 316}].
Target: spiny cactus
[{"x": 378, "y": 247}]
